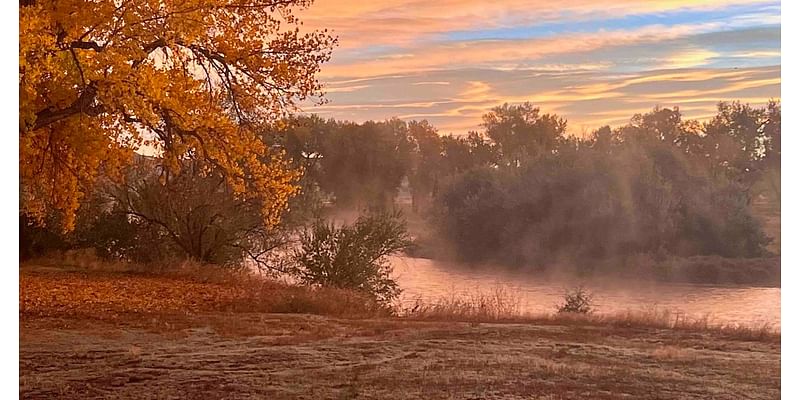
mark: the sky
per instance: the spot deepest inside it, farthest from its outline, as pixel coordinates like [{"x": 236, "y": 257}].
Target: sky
[{"x": 592, "y": 62}]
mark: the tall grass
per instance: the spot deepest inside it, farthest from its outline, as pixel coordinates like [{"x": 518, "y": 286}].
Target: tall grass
[
  {"x": 503, "y": 305},
  {"x": 499, "y": 304}
]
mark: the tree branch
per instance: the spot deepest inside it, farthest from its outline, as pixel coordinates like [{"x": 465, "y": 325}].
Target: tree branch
[{"x": 83, "y": 104}]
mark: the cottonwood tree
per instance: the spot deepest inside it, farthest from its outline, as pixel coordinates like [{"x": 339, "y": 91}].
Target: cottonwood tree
[
  {"x": 521, "y": 131},
  {"x": 188, "y": 78}
]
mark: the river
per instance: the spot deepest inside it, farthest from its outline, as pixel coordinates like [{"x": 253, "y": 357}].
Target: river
[{"x": 428, "y": 280}]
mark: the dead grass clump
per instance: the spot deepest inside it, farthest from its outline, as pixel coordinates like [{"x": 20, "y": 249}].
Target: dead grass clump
[
  {"x": 500, "y": 304},
  {"x": 326, "y": 301}
]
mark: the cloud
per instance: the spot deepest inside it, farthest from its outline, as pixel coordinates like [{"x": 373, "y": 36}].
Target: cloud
[
  {"x": 408, "y": 22},
  {"x": 510, "y": 54},
  {"x": 593, "y": 62},
  {"x": 588, "y": 99}
]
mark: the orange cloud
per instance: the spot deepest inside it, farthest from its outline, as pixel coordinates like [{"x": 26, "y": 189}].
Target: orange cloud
[
  {"x": 360, "y": 24},
  {"x": 588, "y": 100},
  {"x": 494, "y": 52}
]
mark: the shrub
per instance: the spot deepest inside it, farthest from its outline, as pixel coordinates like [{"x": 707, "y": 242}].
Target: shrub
[
  {"x": 197, "y": 212},
  {"x": 352, "y": 256},
  {"x": 577, "y": 301}
]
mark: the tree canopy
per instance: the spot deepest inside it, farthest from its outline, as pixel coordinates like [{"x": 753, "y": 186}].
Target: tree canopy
[{"x": 184, "y": 78}]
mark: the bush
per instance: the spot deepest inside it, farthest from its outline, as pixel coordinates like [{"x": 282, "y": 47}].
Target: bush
[
  {"x": 352, "y": 256},
  {"x": 577, "y": 301}
]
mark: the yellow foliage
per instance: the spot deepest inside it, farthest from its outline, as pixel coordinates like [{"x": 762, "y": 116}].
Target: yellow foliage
[{"x": 99, "y": 80}]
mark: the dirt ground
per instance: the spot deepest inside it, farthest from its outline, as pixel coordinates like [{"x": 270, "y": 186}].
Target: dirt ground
[{"x": 277, "y": 356}]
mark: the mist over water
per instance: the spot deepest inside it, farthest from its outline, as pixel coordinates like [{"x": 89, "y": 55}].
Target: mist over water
[{"x": 428, "y": 280}]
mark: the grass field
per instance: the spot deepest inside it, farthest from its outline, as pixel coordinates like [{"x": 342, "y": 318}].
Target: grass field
[{"x": 204, "y": 345}]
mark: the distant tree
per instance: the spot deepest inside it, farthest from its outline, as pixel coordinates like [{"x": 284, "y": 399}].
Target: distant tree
[
  {"x": 460, "y": 153},
  {"x": 603, "y": 139},
  {"x": 426, "y": 167},
  {"x": 663, "y": 124},
  {"x": 772, "y": 135},
  {"x": 521, "y": 131},
  {"x": 772, "y": 157},
  {"x": 363, "y": 165},
  {"x": 303, "y": 139},
  {"x": 634, "y": 190},
  {"x": 736, "y": 141}
]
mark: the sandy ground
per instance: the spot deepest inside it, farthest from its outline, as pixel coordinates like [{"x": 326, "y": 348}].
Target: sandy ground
[{"x": 271, "y": 356}]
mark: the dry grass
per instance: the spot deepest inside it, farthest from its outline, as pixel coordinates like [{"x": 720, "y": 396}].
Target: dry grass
[
  {"x": 670, "y": 352},
  {"x": 251, "y": 355},
  {"x": 209, "y": 333},
  {"x": 502, "y": 305},
  {"x": 666, "y": 319},
  {"x": 85, "y": 287}
]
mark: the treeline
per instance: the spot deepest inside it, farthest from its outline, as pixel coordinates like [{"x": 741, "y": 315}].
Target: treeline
[
  {"x": 521, "y": 191},
  {"x": 524, "y": 192}
]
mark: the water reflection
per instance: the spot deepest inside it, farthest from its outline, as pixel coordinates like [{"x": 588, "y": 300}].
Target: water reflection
[{"x": 428, "y": 280}]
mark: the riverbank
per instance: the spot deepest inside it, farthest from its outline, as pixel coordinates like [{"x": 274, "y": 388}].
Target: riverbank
[{"x": 90, "y": 334}]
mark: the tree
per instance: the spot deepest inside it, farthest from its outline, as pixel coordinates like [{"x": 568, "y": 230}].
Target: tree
[
  {"x": 460, "y": 153},
  {"x": 521, "y": 131},
  {"x": 423, "y": 176},
  {"x": 772, "y": 158},
  {"x": 603, "y": 139},
  {"x": 647, "y": 187},
  {"x": 363, "y": 165},
  {"x": 663, "y": 124},
  {"x": 189, "y": 79},
  {"x": 732, "y": 140},
  {"x": 302, "y": 138}
]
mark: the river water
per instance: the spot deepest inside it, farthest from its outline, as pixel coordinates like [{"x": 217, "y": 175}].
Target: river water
[{"x": 428, "y": 280}]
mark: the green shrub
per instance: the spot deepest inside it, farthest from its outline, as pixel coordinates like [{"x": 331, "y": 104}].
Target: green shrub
[{"x": 352, "y": 256}]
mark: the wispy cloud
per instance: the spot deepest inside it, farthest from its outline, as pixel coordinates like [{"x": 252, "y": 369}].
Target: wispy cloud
[
  {"x": 594, "y": 62},
  {"x": 587, "y": 100}
]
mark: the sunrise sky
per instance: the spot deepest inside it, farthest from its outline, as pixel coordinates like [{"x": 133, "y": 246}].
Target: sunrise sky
[{"x": 593, "y": 62}]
